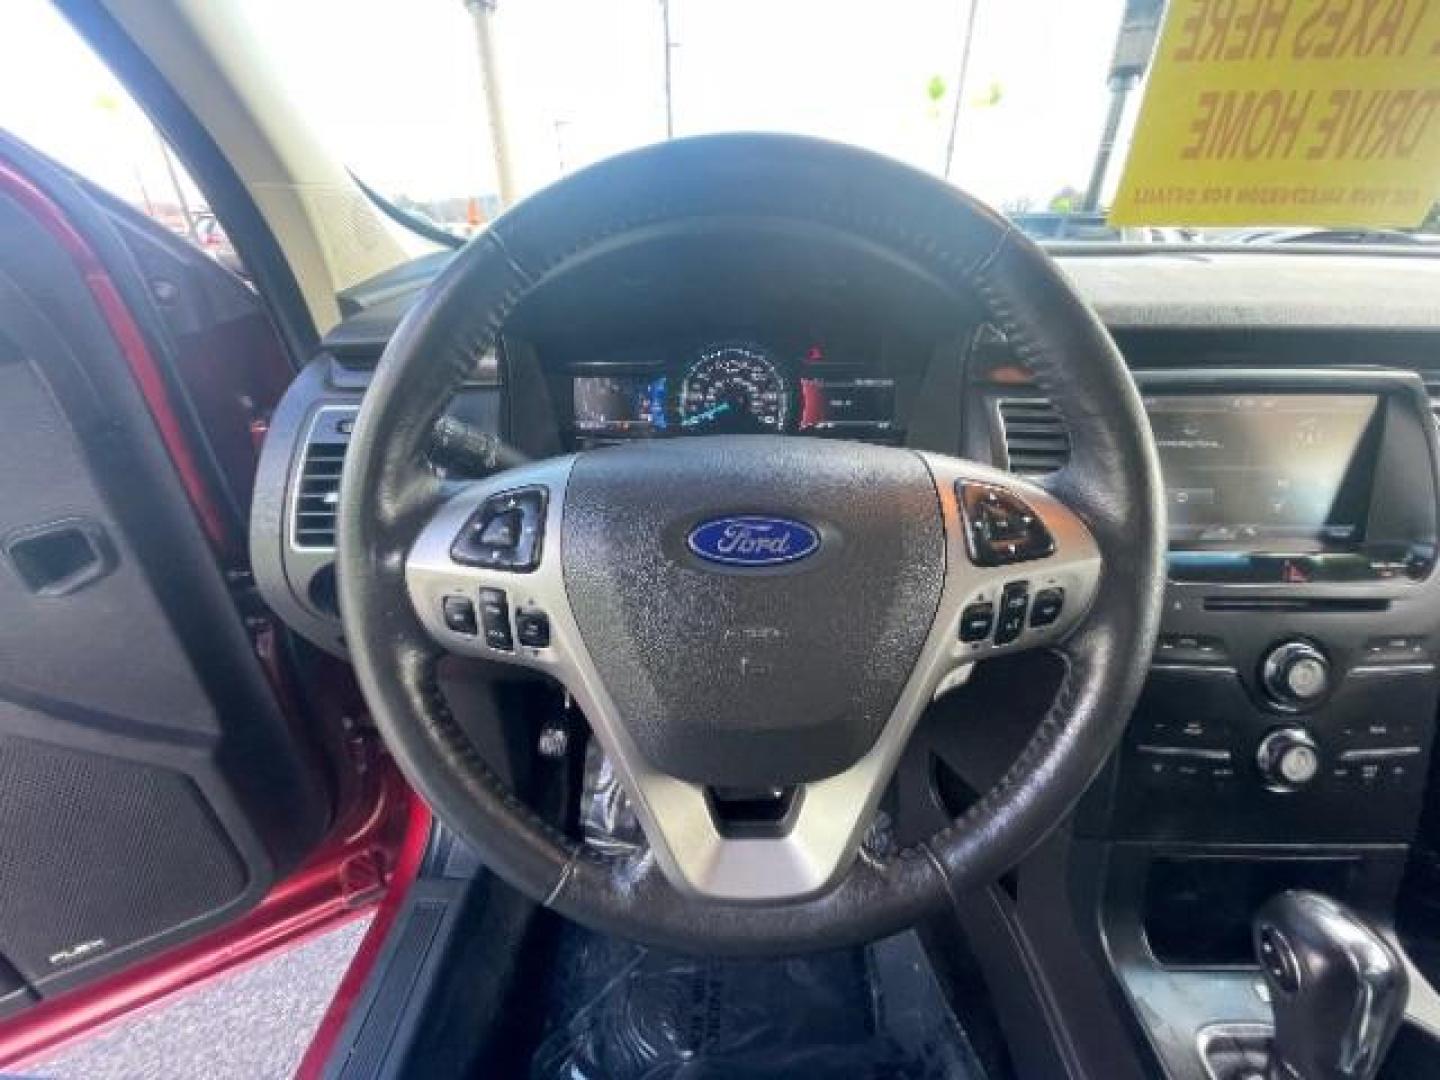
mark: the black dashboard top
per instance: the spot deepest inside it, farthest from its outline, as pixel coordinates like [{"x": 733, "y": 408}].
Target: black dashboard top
[
  {"x": 1131, "y": 288},
  {"x": 1197, "y": 288}
]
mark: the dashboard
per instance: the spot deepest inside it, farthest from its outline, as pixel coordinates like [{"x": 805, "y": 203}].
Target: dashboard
[
  {"x": 732, "y": 386},
  {"x": 1299, "y": 466},
  {"x": 1283, "y": 737}
]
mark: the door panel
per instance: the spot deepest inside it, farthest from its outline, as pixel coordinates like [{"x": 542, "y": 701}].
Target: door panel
[{"x": 151, "y": 786}]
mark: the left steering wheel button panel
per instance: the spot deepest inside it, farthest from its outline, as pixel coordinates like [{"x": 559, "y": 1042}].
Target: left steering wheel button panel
[{"x": 505, "y": 533}]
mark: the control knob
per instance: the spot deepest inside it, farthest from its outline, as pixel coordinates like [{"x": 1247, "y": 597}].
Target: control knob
[
  {"x": 1288, "y": 758},
  {"x": 1295, "y": 675}
]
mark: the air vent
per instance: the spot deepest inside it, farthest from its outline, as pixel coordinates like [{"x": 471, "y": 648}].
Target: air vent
[
  {"x": 1036, "y": 442},
  {"x": 318, "y": 494}
]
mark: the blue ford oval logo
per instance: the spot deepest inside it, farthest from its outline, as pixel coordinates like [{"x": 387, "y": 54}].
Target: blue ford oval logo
[{"x": 753, "y": 540}]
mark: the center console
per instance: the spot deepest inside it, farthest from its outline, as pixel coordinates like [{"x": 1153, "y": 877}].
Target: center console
[
  {"x": 1293, "y": 688},
  {"x": 1283, "y": 737}
]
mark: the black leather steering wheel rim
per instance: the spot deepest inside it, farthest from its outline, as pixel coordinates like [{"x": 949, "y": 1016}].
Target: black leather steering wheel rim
[{"x": 1112, "y": 482}]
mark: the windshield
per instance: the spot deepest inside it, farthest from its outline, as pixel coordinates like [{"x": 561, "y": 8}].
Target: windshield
[
  {"x": 1029, "y": 104},
  {"x": 449, "y": 110}
]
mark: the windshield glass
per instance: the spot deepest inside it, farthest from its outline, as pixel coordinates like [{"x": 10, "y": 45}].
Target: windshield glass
[{"x": 1029, "y": 104}]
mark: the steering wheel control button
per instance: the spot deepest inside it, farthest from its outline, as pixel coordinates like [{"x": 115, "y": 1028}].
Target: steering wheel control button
[
  {"x": 505, "y": 533},
  {"x": 1295, "y": 675},
  {"x": 459, "y": 615},
  {"x": 1288, "y": 758},
  {"x": 1046, "y": 607},
  {"x": 495, "y": 619},
  {"x": 532, "y": 629},
  {"x": 1000, "y": 527},
  {"x": 1014, "y": 602},
  {"x": 976, "y": 622},
  {"x": 503, "y": 530}
]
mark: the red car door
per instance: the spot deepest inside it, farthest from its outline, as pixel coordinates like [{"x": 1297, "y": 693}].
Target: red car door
[{"x": 181, "y": 788}]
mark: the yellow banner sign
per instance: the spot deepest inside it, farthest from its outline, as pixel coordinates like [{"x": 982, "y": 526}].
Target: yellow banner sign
[{"x": 1288, "y": 112}]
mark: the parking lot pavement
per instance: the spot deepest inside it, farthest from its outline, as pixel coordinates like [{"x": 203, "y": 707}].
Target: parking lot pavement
[{"x": 254, "y": 1024}]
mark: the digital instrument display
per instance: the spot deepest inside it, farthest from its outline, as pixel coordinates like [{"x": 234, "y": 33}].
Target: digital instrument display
[
  {"x": 1266, "y": 472},
  {"x": 620, "y": 404},
  {"x": 840, "y": 404},
  {"x": 738, "y": 387}
]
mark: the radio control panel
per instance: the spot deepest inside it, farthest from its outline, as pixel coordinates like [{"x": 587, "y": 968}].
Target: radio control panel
[{"x": 1282, "y": 726}]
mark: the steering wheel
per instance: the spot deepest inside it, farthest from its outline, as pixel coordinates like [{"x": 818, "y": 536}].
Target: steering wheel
[{"x": 734, "y": 613}]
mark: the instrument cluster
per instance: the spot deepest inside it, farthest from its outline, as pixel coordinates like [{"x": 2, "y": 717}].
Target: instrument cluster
[{"x": 731, "y": 387}]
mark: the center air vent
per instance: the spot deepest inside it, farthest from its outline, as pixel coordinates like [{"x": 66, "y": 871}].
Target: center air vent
[
  {"x": 1036, "y": 442},
  {"x": 318, "y": 488}
]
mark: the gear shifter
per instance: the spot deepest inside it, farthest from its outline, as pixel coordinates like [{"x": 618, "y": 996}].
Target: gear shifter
[{"x": 1337, "y": 987}]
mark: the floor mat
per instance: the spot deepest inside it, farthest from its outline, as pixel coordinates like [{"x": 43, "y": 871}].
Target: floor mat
[{"x": 620, "y": 1012}]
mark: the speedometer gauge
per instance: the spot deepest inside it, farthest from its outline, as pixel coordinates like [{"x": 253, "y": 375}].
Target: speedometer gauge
[{"x": 734, "y": 388}]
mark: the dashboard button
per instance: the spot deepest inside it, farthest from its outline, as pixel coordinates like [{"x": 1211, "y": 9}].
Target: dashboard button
[
  {"x": 976, "y": 621},
  {"x": 1395, "y": 649},
  {"x": 459, "y": 614},
  {"x": 1014, "y": 601},
  {"x": 1190, "y": 649},
  {"x": 1289, "y": 759},
  {"x": 532, "y": 628},
  {"x": 1295, "y": 675},
  {"x": 1047, "y": 606}
]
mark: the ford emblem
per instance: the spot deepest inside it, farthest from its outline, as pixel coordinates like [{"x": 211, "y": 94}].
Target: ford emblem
[{"x": 753, "y": 540}]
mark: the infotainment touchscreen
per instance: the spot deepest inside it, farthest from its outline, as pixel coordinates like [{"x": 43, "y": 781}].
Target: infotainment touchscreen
[{"x": 1267, "y": 472}]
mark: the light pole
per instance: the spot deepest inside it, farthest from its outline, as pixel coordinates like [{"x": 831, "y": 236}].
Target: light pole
[
  {"x": 669, "y": 48},
  {"x": 960, "y": 86},
  {"x": 1133, "y": 44},
  {"x": 482, "y": 13}
]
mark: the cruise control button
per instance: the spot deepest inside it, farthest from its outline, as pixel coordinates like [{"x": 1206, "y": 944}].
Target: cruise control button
[
  {"x": 976, "y": 622},
  {"x": 459, "y": 614},
  {"x": 1047, "y": 606},
  {"x": 495, "y": 619},
  {"x": 533, "y": 629},
  {"x": 1014, "y": 601}
]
